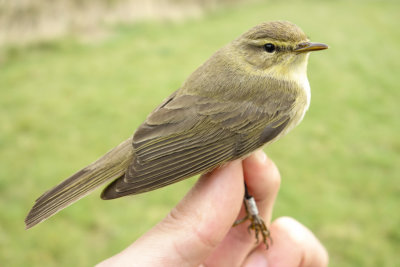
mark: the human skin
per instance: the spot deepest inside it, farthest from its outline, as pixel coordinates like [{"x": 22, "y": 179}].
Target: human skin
[{"x": 199, "y": 232}]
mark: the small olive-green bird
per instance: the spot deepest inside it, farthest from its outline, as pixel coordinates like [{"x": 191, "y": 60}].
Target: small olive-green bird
[{"x": 249, "y": 93}]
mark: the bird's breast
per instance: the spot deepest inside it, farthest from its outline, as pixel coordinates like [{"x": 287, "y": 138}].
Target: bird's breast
[
  {"x": 301, "y": 105},
  {"x": 306, "y": 91}
]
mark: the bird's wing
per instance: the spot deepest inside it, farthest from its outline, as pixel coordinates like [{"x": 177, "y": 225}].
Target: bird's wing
[{"x": 188, "y": 134}]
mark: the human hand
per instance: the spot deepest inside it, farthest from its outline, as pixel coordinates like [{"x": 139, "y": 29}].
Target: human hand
[{"x": 198, "y": 231}]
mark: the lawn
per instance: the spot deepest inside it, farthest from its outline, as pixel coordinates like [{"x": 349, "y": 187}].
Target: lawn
[{"x": 65, "y": 103}]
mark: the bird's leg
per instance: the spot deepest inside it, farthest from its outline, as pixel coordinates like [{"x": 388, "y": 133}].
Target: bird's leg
[{"x": 257, "y": 224}]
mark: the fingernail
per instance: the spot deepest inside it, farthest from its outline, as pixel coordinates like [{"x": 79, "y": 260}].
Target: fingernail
[
  {"x": 261, "y": 156},
  {"x": 256, "y": 259}
]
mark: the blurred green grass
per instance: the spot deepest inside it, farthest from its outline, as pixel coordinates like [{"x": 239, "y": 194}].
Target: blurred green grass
[{"x": 63, "y": 104}]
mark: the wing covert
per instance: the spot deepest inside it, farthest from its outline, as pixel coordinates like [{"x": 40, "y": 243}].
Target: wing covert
[{"x": 188, "y": 135}]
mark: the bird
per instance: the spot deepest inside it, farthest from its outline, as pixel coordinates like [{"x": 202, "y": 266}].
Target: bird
[{"x": 248, "y": 94}]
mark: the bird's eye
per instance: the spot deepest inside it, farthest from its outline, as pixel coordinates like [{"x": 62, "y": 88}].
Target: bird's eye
[{"x": 270, "y": 48}]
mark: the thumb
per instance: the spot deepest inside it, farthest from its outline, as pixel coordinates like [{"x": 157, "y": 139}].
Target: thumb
[{"x": 193, "y": 229}]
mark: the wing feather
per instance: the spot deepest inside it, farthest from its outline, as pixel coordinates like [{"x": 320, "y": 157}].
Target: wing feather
[{"x": 188, "y": 135}]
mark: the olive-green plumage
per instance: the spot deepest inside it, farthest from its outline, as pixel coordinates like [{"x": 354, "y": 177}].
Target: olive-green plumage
[{"x": 249, "y": 93}]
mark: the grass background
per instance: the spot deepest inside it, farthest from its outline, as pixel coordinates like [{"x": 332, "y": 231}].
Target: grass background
[{"x": 65, "y": 103}]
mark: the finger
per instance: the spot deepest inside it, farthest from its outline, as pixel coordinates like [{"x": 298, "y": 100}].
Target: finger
[
  {"x": 294, "y": 245},
  {"x": 263, "y": 180},
  {"x": 195, "y": 226}
]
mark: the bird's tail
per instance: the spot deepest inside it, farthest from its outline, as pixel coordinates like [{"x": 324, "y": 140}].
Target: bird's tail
[{"x": 109, "y": 167}]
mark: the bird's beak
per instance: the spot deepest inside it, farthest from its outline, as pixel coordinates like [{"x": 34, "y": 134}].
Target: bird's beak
[{"x": 308, "y": 47}]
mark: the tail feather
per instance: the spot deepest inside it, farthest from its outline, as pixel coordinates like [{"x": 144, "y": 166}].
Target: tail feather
[{"x": 109, "y": 167}]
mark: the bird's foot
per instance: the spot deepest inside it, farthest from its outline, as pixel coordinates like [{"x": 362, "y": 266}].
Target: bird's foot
[{"x": 257, "y": 223}]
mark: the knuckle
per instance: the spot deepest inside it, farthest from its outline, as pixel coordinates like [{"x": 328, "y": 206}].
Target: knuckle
[{"x": 206, "y": 237}]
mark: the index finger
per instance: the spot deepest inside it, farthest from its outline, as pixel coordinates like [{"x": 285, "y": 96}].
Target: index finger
[{"x": 263, "y": 180}]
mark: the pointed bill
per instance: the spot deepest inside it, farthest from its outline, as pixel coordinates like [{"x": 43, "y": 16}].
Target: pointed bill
[{"x": 309, "y": 47}]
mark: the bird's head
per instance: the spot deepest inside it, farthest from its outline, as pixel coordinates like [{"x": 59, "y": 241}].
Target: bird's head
[{"x": 276, "y": 48}]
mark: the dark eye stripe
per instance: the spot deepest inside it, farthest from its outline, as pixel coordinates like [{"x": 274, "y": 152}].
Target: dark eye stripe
[
  {"x": 270, "y": 48},
  {"x": 283, "y": 48}
]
